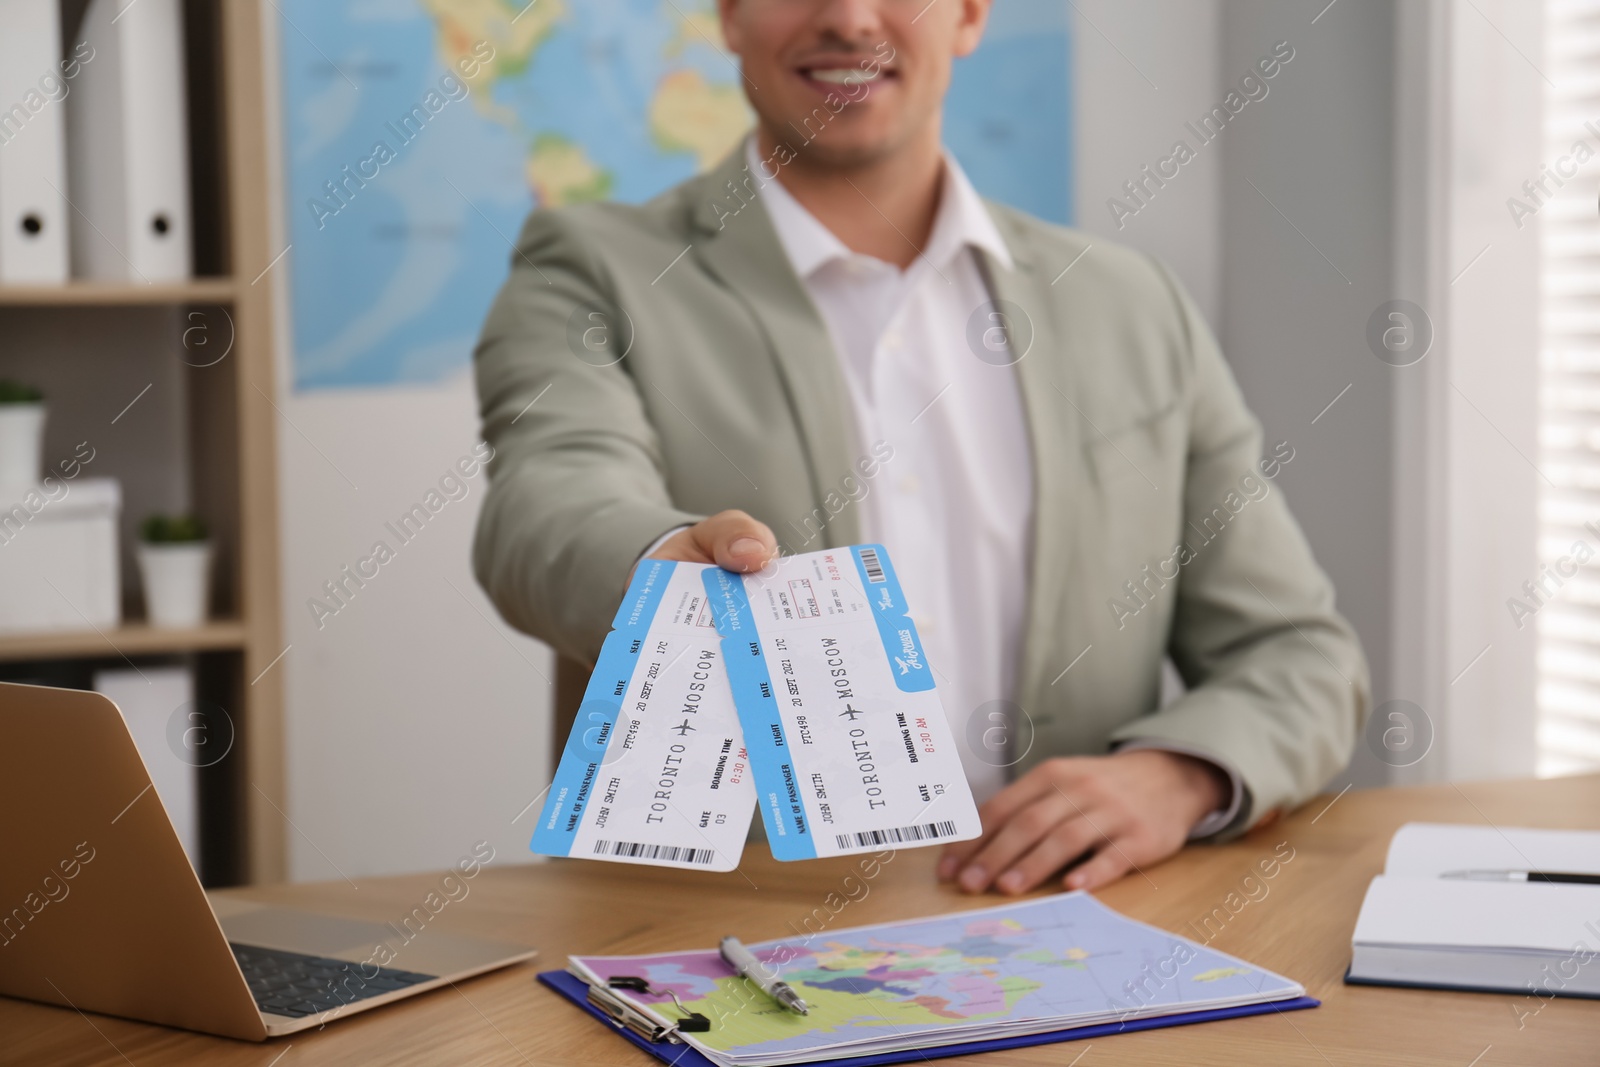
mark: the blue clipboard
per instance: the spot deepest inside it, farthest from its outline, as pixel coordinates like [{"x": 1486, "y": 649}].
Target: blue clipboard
[{"x": 576, "y": 990}]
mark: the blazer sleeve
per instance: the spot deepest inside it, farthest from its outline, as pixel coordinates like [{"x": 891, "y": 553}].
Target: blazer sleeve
[
  {"x": 1278, "y": 686},
  {"x": 576, "y": 483}
]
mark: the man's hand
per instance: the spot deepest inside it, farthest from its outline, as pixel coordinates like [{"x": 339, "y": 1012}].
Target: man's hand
[
  {"x": 1114, "y": 813},
  {"x": 730, "y": 539}
]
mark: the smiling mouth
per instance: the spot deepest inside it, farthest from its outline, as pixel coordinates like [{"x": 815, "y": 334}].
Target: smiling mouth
[{"x": 829, "y": 77}]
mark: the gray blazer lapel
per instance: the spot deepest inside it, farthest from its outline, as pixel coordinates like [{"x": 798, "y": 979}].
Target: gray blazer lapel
[
  {"x": 735, "y": 240},
  {"x": 1046, "y": 374}
]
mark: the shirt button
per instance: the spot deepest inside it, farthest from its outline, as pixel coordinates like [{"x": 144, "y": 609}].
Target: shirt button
[
  {"x": 909, "y": 485},
  {"x": 892, "y": 340}
]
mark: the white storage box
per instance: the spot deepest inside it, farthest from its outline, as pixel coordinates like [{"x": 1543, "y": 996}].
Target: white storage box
[{"x": 58, "y": 555}]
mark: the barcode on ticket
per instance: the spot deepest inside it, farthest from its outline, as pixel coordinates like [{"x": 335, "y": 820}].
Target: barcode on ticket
[
  {"x": 874, "y": 567},
  {"x": 638, "y": 850},
  {"x": 898, "y": 835}
]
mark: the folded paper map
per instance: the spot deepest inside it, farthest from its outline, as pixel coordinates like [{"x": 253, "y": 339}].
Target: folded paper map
[{"x": 1038, "y": 966}]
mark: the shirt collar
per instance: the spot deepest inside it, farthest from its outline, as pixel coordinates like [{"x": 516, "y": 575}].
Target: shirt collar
[{"x": 962, "y": 221}]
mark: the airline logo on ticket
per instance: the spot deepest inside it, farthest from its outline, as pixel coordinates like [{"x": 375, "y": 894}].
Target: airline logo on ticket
[
  {"x": 848, "y": 741},
  {"x": 655, "y": 769}
]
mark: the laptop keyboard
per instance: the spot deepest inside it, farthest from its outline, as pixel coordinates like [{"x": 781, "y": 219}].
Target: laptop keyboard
[{"x": 294, "y": 984}]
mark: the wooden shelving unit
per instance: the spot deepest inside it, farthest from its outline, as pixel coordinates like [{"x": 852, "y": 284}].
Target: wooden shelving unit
[
  {"x": 231, "y": 475},
  {"x": 209, "y": 291},
  {"x": 130, "y": 639}
]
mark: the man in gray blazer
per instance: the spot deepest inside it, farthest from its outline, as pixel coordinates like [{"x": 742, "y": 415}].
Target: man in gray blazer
[{"x": 831, "y": 338}]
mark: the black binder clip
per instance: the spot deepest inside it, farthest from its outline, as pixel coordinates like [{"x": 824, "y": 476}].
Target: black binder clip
[{"x": 623, "y": 1014}]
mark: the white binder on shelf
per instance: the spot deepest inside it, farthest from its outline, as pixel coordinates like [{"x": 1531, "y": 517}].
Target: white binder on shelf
[
  {"x": 33, "y": 215},
  {"x": 128, "y": 146},
  {"x": 150, "y": 699}
]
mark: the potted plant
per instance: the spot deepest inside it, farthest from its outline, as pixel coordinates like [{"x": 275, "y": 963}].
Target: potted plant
[
  {"x": 21, "y": 432},
  {"x": 175, "y": 565}
]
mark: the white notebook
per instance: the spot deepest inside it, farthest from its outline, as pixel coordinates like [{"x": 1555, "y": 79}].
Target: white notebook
[{"x": 1454, "y": 909}]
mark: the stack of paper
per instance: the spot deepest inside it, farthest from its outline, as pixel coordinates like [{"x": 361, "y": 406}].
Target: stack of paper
[{"x": 1041, "y": 966}]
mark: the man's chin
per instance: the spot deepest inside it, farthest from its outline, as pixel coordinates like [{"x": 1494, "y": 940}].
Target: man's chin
[{"x": 857, "y": 151}]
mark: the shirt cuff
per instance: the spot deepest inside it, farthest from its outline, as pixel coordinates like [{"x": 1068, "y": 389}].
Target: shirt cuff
[
  {"x": 657, "y": 543},
  {"x": 1222, "y": 817}
]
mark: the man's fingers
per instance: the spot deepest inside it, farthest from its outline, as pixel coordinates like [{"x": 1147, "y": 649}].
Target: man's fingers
[
  {"x": 996, "y": 812},
  {"x": 956, "y": 855},
  {"x": 1020, "y": 833},
  {"x": 1069, "y": 840},
  {"x": 735, "y": 541},
  {"x": 1100, "y": 816},
  {"x": 682, "y": 548},
  {"x": 1107, "y": 865}
]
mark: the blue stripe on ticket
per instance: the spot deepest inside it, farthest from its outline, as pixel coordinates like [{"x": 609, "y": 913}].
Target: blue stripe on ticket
[
  {"x": 777, "y": 792},
  {"x": 573, "y": 786}
]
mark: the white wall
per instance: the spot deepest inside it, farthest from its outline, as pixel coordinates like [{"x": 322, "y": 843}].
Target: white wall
[
  {"x": 417, "y": 722},
  {"x": 1308, "y": 258},
  {"x": 1467, "y": 426},
  {"x": 1144, "y": 67}
]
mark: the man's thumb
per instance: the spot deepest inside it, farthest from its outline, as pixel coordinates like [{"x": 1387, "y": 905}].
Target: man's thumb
[{"x": 746, "y": 545}]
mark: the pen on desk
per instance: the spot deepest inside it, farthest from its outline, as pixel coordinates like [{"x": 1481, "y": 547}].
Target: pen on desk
[
  {"x": 1524, "y": 876},
  {"x": 744, "y": 963}
]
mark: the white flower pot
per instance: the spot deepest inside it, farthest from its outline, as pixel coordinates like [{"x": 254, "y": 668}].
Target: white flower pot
[
  {"x": 177, "y": 582},
  {"x": 21, "y": 443}
]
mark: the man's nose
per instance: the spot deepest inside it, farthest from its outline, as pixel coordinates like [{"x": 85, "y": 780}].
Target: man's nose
[{"x": 855, "y": 21}]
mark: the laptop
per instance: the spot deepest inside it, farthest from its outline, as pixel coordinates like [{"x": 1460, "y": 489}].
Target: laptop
[{"x": 100, "y": 910}]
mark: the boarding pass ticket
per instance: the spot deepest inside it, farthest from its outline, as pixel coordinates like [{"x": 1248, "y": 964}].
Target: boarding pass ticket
[
  {"x": 655, "y": 769},
  {"x": 847, "y": 739}
]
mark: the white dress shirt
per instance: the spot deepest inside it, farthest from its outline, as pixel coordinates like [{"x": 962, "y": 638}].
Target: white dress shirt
[{"x": 954, "y": 505}]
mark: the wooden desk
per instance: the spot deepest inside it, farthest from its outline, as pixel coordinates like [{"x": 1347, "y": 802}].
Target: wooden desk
[{"x": 1298, "y": 923}]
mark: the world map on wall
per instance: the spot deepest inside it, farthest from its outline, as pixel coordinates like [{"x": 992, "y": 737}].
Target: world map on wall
[{"x": 418, "y": 134}]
